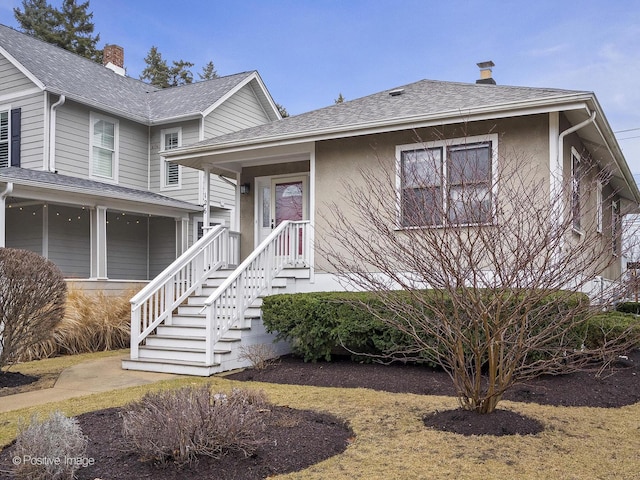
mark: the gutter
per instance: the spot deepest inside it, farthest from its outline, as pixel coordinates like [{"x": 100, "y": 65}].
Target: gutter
[{"x": 52, "y": 133}]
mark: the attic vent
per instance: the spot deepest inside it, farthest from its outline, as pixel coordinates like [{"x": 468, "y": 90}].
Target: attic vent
[{"x": 397, "y": 92}]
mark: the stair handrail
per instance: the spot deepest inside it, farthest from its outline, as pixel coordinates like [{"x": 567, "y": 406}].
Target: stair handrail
[
  {"x": 287, "y": 245},
  {"x": 156, "y": 302}
]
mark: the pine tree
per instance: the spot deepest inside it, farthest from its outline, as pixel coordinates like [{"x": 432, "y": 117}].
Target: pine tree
[
  {"x": 340, "y": 99},
  {"x": 70, "y": 28},
  {"x": 157, "y": 71},
  {"x": 282, "y": 110},
  {"x": 180, "y": 74},
  {"x": 208, "y": 72}
]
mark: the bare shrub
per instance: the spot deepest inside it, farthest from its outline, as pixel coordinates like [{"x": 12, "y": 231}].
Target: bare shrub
[
  {"x": 93, "y": 322},
  {"x": 180, "y": 425},
  {"x": 260, "y": 355},
  {"x": 504, "y": 249},
  {"x": 49, "y": 450},
  {"x": 32, "y": 299}
]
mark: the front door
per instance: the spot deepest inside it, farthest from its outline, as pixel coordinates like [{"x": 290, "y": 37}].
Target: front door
[{"x": 280, "y": 199}]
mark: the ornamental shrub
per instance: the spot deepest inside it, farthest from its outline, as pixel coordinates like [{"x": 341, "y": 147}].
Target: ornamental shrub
[
  {"x": 180, "y": 425},
  {"x": 32, "y": 300}
]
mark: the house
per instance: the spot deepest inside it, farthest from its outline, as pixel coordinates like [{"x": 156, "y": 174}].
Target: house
[
  {"x": 290, "y": 169},
  {"x": 83, "y": 178}
]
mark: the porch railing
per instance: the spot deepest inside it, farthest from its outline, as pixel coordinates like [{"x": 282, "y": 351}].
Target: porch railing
[
  {"x": 287, "y": 246},
  {"x": 155, "y": 303}
]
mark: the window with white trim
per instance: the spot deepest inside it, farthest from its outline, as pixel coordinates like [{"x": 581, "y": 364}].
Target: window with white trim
[
  {"x": 171, "y": 172},
  {"x": 104, "y": 147},
  {"x": 599, "y": 206},
  {"x": 576, "y": 174},
  {"x": 5, "y": 139},
  {"x": 446, "y": 182},
  {"x": 616, "y": 222}
]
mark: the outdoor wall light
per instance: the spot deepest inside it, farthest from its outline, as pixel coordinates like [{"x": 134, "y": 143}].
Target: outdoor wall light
[{"x": 245, "y": 188}]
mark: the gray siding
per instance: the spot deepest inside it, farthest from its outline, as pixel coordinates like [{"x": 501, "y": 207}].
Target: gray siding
[
  {"x": 13, "y": 80},
  {"x": 126, "y": 246},
  {"x": 69, "y": 240},
  {"x": 73, "y": 140},
  {"x": 24, "y": 228},
  {"x": 162, "y": 244},
  {"x": 32, "y": 130},
  {"x": 240, "y": 111}
]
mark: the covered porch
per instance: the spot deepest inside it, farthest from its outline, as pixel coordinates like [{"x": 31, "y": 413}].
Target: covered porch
[{"x": 92, "y": 231}]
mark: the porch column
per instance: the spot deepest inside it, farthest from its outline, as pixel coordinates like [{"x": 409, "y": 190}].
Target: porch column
[
  {"x": 3, "y": 218},
  {"x": 182, "y": 235},
  {"x": 99, "y": 242}
]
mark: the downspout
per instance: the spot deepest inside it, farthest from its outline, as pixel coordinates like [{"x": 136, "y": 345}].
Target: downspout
[
  {"x": 575, "y": 128},
  {"x": 3, "y": 219},
  {"x": 52, "y": 133}
]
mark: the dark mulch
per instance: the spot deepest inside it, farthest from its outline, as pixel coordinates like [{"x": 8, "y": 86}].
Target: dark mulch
[
  {"x": 15, "y": 379},
  {"x": 298, "y": 439}
]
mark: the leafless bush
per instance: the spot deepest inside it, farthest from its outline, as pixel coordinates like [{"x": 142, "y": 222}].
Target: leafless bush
[
  {"x": 180, "y": 425},
  {"x": 32, "y": 299},
  {"x": 260, "y": 355},
  {"x": 492, "y": 238},
  {"x": 49, "y": 450}
]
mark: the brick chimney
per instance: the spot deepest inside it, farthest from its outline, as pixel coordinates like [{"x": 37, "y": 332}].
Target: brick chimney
[
  {"x": 113, "y": 58},
  {"x": 485, "y": 73}
]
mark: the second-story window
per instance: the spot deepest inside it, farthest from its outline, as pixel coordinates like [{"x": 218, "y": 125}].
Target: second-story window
[
  {"x": 104, "y": 147},
  {"x": 4, "y": 139},
  {"x": 576, "y": 174},
  {"x": 171, "y": 138}
]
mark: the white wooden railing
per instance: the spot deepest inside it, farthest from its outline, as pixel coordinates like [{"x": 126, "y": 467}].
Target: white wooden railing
[
  {"x": 287, "y": 246},
  {"x": 155, "y": 303}
]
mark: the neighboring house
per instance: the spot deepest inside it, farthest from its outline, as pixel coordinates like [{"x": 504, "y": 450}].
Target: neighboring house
[
  {"x": 293, "y": 168},
  {"x": 83, "y": 179}
]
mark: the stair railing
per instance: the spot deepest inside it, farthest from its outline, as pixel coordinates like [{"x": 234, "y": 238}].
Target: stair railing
[
  {"x": 155, "y": 303},
  {"x": 287, "y": 246}
]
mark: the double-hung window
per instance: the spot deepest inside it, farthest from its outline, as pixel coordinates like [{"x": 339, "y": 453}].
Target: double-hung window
[
  {"x": 4, "y": 139},
  {"x": 170, "y": 138},
  {"x": 446, "y": 182},
  {"x": 104, "y": 147}
]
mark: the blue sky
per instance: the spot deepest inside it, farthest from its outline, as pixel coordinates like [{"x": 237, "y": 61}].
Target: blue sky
[{"x": 310, "y": 51}]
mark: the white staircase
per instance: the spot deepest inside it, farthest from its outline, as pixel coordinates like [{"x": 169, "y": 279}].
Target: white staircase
[{"x": 201, "y": 327}]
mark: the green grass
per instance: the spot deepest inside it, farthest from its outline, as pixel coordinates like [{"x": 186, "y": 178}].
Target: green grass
[{"x": 392, "y": 443}]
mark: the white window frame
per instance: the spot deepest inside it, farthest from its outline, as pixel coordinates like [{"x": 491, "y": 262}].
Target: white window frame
[
  {"x": 443, "y": 144},
  {"x": 4, "y": 109},
  {"x": 599, "y": 210},
  {"x": 93, "y": 119},
  {"x": 164, "y": 164},
  {"x": 576, "y": 191},
  {"x": 616, "y": 228}
]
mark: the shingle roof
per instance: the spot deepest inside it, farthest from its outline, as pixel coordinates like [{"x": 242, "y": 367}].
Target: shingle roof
[
  {"x": 85, "y": 81},
  {"x": 422, "y": 99},
  {"x": 56, "y": 181}
]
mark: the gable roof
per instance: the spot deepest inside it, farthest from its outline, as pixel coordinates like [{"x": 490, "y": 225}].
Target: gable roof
[
  {"x": 397, "y": 107},
  {"x": 64, "y": 73}
]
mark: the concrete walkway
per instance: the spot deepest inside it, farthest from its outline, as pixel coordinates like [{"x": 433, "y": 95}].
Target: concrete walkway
[{"x": 93, "y": 376}]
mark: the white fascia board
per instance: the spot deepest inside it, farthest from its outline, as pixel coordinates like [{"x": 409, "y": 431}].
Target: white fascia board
[
  {"x": 229, "y": 94},
  {"x": 22, "y": 69}
]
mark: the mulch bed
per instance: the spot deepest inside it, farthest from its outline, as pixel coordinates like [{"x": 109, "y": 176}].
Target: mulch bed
[
  {"x": 298, "y": 439},
  {"x": 15, "y": 379}
]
